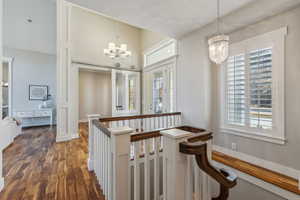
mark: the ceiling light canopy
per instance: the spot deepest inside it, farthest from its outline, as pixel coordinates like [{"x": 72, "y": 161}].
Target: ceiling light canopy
[{"x": 219, "y": 44}]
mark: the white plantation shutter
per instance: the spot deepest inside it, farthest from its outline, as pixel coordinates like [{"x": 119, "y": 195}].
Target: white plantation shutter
[
  {"x": 249, "y": 98},
  {"x": 260, "y": 108},
  {"x": 254, "y": 88},
  {"x": 236, "y": 108}
]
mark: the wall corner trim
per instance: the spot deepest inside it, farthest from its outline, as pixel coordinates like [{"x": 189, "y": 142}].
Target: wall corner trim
[{"x": 1, "y": 183}]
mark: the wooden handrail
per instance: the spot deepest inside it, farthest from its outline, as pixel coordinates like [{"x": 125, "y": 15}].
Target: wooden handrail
[
  {"x": 225, "y": 178},
  {"x": 101, "y": 126},
  {"x": 109, "y": 119},
  {"x": 200, "y": 134},
  {"x": 146, "y": 135},
  {"x": 269, "y": 176}
]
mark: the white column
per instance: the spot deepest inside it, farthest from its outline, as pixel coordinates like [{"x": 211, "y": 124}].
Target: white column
[
  {"x": 91, "y": 141},
  {"x": 120, "y": 138},
  {"x": 1, "y": 55},
  {"x": 175, "y": 165},
  {"x": 64, "y": 115}
]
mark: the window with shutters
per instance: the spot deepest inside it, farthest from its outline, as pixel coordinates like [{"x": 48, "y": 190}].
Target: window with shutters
[{"x": 253, "y": 88}]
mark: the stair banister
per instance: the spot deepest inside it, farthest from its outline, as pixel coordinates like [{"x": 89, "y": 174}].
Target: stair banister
[{"x": 225, "y": 178}]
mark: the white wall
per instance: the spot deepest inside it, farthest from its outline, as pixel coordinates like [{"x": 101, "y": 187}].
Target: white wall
[
  {"x": 91, "y": 33},
  {"x": 149, "y": 39},
  {"x": 40, "y": 35},
  {"x": 30, "y": 68},
  {"x": 94, "y": 94},
  {"x": 201, "y": 106}
]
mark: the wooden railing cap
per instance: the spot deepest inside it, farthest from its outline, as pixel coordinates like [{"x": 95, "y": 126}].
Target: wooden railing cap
[{"x": 109, "y": 119}]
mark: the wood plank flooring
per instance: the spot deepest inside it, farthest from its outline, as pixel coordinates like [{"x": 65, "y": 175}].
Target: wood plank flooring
[{"x": 38, "y": 168}]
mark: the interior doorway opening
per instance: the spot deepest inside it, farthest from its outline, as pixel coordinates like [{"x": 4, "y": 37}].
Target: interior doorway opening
[{"x": 6, "y": 87}]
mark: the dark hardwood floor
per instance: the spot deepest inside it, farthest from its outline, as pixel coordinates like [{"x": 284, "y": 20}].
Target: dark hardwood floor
[{"x": 38, "y": 168}]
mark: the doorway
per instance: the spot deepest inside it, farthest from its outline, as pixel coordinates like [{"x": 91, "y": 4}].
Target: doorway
[
  {"x": 6, "y": 87},
  {"x": 159, "y": 90}
]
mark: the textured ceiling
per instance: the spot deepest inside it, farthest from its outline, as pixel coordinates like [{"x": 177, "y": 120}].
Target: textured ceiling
[
  {"x": 176, "y": 18},
  {"x": 171, "y": 17}
]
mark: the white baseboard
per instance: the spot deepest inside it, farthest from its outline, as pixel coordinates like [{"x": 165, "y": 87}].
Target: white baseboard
[
  {"x": 75, "y": 136},
  {"x": 1, "y": 183},
  {"x": 262, "y": 163},
  {"x": 90, "y": 164},
  {"x": 288, "y": 171},
  {"x": 63, "y": 138},
  {"x": 67, "y": 137}
]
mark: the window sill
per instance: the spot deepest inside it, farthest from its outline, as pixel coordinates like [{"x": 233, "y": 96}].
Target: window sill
[{"x": 253, "y": 135}]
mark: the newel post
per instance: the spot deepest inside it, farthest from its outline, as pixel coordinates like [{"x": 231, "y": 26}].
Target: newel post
[
  {"x": 175, "y": 165},
  {"x": 91, "y": 142},
  {"x": 120, "y": 141}
]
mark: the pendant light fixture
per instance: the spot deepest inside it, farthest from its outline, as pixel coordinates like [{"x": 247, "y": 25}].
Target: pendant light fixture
[
  {"x": 218, "y": 44},
  {"x": 117, "y": 50}
]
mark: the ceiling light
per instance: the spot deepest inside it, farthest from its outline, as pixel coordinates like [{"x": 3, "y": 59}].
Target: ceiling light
[
  {"x": 218, "y": 44},
  {"x": 117, "y": 50}
]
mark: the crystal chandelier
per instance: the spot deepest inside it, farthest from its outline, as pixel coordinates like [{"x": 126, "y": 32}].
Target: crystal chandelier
[
  {"x": 115, "y": 51},
  {"x": 219, "y": 44}
]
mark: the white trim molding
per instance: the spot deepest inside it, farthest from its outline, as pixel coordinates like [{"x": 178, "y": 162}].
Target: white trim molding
[
  {"x": 1, "y": 183},
  {"x": 253, "y": 135},
  {"x": 276, "y": 167},
  {"x": 275, "y": 40},
  {"x": 164, "y": 50}
]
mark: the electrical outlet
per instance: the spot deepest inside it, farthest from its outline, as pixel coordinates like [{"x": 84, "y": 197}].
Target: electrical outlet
[{"x": 233, "y": 146}]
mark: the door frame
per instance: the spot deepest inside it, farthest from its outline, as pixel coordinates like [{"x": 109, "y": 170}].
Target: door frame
[
  {"x": 9, "y": 61},
  {"x": 156, "y": 67},
  {"x": 74, "y": 93}
]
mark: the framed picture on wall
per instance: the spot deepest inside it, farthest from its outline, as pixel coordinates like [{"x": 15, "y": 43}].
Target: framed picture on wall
[{"x": 38, "y": 92}]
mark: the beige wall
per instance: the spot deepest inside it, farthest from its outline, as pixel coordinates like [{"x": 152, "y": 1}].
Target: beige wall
[
  {"x": 149, "y": 39},
  {"x": 91, "y": 33},
  {"x": 201, "y": 105},
  {"x": 94, "y": 93}
]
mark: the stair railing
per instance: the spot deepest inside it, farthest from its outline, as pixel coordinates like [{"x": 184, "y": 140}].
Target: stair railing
[{"x": 225, "y": 178}]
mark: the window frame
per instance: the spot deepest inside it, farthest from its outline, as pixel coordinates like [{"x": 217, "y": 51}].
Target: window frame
[{"x": 276, "y": 40}]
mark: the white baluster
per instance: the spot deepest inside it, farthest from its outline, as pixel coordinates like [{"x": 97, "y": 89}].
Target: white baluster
[
  {"x": 156, "y": 123},
  {"x": 197, "y": 180},
  {"x": 189, "y": 180},
  {"x": 136, "y": 125},
  {"x": 147, "y": 169},
  {"x": 126, "y": 123},
  {"x": 139, "y": 125},
  {"x": 95, "y": 146},
  {"x": 161, "y": 122},
  {"x": 101, "y": 156},
  {"x": 156, "y": 169},
  {"x": 114, "y": 124},
  {"x": 104, "y": 165},
  {"x": 136, "y": 171},
  {"x": 110, "y": 182},
  {"x": 151, "y": 123}
]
